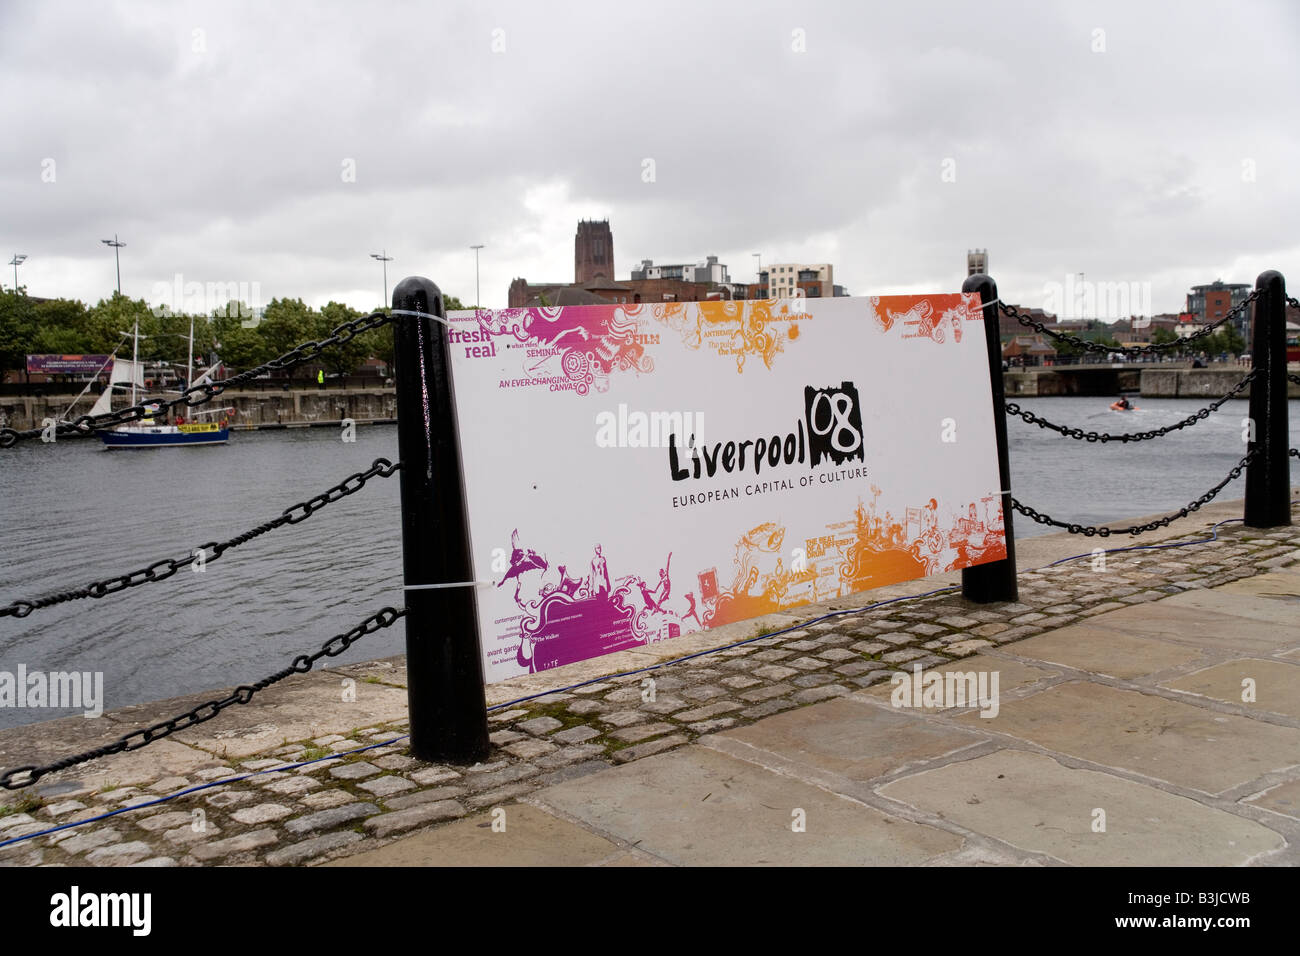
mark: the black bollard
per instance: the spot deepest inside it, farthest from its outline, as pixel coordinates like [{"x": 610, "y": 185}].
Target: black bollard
[
  {"x": 1268, "y": 477},
  {"x": 444, "y": 667},
  {"x": 995, "y": 581}
]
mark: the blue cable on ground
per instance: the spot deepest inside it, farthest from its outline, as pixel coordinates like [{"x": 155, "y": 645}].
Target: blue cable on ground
[{"x": 1214, "y": 535}]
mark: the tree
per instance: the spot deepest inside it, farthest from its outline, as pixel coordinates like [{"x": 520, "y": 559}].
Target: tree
[
  {"x": 1066, "y": 347},
  {"x": 17, "y": 330},
  {"x": 346, "y": 358},
  {"x": 107, "y": 320},
  {"x": 1232, "y": 341},
  {"x": 238, "y": 347},
  {"x": 287, "y": 323}
]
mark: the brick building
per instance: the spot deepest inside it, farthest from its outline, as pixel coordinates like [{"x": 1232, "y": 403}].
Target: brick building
[
  {"x": 593, "y": 278},
  {"x": 593, "y": 251},
  {"x": 1009, "y": 327},
  {"x": 1209, "y": 303}
]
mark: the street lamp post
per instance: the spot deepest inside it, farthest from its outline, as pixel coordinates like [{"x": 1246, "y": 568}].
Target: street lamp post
[
  {"x": 117, "y": 256},
  {"x": 476, "y": 249},
  {"x": 16, "y": 261},
  {"x": 759, "y": 257},
  {"x": 385, "y": 258}
]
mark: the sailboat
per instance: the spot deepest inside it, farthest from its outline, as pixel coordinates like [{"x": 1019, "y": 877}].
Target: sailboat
[{"x": 148, "y": 432}]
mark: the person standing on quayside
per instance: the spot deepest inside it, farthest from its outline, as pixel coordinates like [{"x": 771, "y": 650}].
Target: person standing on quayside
[{"x": 320, "y": 378}]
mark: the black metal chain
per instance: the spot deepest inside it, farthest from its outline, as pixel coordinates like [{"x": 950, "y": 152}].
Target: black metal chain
[
  {"x": 1103, "y": 437},
  {"x": 161, "y": 570},
  {"x": 242, "y": 694},
  {"x": 1039, "y": 327},
  {"x": 1089, "y": 530},
  {"x": 1293, "y": 302},
  {"x": 198, "y": 394},
  {"x": 1293, "y": 378}
]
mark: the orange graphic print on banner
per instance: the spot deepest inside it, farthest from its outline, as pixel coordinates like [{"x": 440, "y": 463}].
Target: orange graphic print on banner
[{"x": 758, "y": 328}]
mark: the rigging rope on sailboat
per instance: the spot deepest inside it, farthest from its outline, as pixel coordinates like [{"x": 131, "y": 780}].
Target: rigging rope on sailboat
[{"x": 91, "y": 380}]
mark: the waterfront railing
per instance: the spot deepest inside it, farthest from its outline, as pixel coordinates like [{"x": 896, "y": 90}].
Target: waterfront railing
[{"x": 445, "y": 687}]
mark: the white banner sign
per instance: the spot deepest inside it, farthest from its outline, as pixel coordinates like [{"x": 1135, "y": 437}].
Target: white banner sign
[{"x": 637, "y": 472}]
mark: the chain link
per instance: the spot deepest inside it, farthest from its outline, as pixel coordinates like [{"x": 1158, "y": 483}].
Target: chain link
[
  {"x": 1103, "y": 437},
  {"x": 1090, "y": 530},
  {"x": 20, "y": 777},
  {"x": 1039, "y": 327},
  {"x": 207, "y": 391},
  {"x": 161, "y": 570}
]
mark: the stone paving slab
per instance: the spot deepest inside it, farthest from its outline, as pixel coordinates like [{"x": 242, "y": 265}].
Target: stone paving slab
[
  {"x": 1033, "y": 802},
  {"x": 293, "y": 714},
  {"x": 1200, "y": 627},
  {"x": 531, "y": 837},
  {"x": 698, "y": 807},
  {"x": 1280, "y": 585},
  {"x": 1102, "y": 650},
  {"x": 1283, "y": 798},
  {"x": 1013, "y": 676},
  {"x": 1282, "y": 613},
  {"x": 1276, "y": 685},
  {"x": 161, "y": 759},
  {"x": 852, "y": 738},
  {"x": 1149, "y": 735}
]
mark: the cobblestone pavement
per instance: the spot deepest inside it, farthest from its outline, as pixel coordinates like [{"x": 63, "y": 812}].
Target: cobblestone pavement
[{"x": 344, "y": 802}]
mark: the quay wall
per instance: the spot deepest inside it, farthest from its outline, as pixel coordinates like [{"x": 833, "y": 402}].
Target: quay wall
[{"x": 252, "y": 409}]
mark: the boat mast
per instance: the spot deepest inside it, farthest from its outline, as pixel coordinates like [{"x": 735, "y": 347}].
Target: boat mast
[
  {"x": 135, "y": 358},
  {"x": 189, "y": 365}
]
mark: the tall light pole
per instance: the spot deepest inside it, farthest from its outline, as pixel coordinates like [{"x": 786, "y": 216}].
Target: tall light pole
[
  {"x": 118, "y": 256},
  {"x": 385, "y": 258},
  {"x": 476, "y": 249},
  {"x": 16, "y": 261},
  {"x": 759, "y": 257}
]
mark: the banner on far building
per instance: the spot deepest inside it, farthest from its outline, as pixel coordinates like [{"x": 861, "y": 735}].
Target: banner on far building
[
  {"x": 635, "y": 472},
  {"x": 68, "y": 364}
]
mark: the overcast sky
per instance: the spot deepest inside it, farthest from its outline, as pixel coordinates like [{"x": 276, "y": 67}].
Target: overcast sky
[{"x": 1133, "y": 142}]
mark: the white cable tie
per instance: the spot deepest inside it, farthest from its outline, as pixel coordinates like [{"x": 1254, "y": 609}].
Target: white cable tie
[
  {"x": 422, "y": 315},
  {"x": 448, "y": 584}
]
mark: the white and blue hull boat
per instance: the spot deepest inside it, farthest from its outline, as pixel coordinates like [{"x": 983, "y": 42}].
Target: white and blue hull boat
[{"x": 157, "y": 436}]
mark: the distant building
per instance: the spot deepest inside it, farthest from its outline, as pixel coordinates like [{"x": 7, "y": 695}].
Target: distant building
[
  {"x": 1028, "y": 350},
  {"x": 710, "y": 270},
  {"x": 784, "y": 278},
  {"x": 1209, "y": 303},
  {"x": 593, "y": 274},
  {"x": 1189, "y": 323},
  {"x": 977, "y": 262},
  {"x": 550, "y": 294},
  {"x": 1009, "y": 327},
  {"x": 593, "y": 251}
]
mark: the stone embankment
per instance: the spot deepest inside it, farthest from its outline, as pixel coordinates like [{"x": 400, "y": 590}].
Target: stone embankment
[{"x": 252, "y": 409}]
